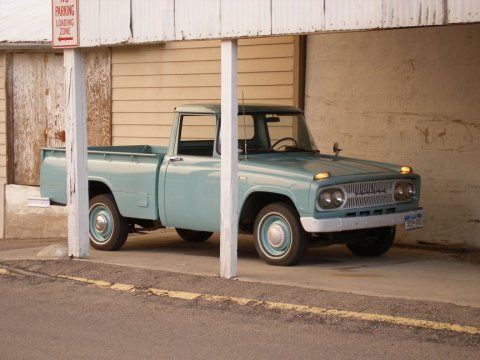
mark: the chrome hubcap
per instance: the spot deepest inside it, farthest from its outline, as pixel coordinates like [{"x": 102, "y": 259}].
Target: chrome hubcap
[
  {"x": 276, "y": 235},
  {"x": 101, "y": 223}
]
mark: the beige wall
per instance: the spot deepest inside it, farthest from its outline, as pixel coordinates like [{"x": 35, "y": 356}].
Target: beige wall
[
  {"x": 409, "y": 96},
  {"x": 3, "y": 141},
  {"x": 149, "y": 81}
]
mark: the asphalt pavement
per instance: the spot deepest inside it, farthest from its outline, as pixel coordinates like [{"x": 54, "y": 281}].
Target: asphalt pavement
[
  {"x": 160, "y": 297},
  {"x": 409, "y": 273}
]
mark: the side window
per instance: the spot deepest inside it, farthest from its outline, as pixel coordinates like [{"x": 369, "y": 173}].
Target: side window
[{"x": 197, "y": 135}]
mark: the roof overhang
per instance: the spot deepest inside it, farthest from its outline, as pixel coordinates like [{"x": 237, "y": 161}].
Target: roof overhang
[{"x": 106, "y": 23}]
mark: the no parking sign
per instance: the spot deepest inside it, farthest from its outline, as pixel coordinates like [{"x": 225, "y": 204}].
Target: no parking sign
[{"x": 64, "y": 23}]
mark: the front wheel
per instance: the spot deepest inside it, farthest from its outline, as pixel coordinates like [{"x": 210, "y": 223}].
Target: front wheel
[
  {"x": 279, "y": 236},
  {"x": 108, "y": 229},
  {"x": 376, "y": 243}
]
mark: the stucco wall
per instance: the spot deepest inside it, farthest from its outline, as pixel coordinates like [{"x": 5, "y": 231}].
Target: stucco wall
[
  {"x": 3, "y": 140},
  {"x": 409, "y": 96}
]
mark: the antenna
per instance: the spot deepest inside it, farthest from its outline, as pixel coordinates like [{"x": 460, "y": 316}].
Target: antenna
[{"x": 244, "y": 127}]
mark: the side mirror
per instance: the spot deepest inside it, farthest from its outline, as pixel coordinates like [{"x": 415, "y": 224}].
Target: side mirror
[{"x": 336, "y": 149}]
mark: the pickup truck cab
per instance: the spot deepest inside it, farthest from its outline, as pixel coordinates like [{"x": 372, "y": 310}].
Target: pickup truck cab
[{"x": 288, "y": 193}]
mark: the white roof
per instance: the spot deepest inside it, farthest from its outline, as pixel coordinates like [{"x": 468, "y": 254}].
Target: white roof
[{"x": 25, "y": 21}]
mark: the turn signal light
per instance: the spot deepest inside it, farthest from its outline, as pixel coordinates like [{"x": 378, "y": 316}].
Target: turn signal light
[
  {"x": 322, "y": 175},
  {"x": 406, "y": 170}
]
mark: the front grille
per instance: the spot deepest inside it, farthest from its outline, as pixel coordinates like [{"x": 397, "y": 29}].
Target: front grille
[{"x": 369, "y": 193}]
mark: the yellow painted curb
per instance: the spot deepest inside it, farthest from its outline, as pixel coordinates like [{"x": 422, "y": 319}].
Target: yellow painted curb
[
  {"x": 100, "y": 283},
  {"x": 189, "y": 296}
]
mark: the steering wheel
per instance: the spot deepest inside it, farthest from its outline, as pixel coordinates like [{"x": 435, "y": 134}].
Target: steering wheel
[{"x": 283, "y": 139}]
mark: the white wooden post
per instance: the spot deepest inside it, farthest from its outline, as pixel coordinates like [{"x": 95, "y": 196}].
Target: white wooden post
[
  {"x": 76, "y": 153},
  {"x": 229, "y": 147}
]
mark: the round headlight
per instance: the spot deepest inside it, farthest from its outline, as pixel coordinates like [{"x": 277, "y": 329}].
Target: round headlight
[
  {"x": 330, "y": 199},
  {"x": 337, "y": 198},
  {"x": 403, "y": 191},
  {"x": 325, "y": 200}
]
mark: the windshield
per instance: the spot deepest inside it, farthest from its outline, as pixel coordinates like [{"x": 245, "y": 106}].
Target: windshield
[{"x": 269, "y": 132}]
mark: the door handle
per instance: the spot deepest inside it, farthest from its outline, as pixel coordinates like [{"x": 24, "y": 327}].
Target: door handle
[{"x": 175, "y": 159}]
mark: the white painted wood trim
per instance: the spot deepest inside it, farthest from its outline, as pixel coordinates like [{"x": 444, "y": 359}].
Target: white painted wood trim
[
  {"x": 76, "y": 152},
  {"x": 229, "y": 158}
]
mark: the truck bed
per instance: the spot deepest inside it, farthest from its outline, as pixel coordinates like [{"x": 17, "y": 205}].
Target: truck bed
[{"x": 130, "y": 172}]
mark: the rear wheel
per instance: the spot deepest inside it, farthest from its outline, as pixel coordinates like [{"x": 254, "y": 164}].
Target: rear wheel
[
  {"x": 377, "y": 242},
  {"x": 107, "y": 228},
  {"x": 279, "y": 236},
  {"x": 193, "y": 235}
]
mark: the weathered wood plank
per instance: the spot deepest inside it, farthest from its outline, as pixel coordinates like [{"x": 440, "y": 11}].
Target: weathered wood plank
[
  {"x": 29, "y": 115},
  {"x": 39, "y": 103},
  {"x": 99, "y": 97},
  {"x": 54, "y": 100}
]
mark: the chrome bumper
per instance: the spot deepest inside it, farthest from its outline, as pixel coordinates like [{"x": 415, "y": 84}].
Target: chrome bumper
[{"x": 313, "y": 225}]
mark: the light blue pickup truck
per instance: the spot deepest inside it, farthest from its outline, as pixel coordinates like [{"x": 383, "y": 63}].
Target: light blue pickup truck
[{"x": 288, "y": 193}]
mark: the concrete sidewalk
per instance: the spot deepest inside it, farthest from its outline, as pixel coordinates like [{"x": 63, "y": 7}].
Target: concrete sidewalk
[{"x": 416, "y": 274}]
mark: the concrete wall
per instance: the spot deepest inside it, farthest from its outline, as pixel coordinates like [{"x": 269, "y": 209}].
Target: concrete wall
[
  {"x": 409, "y": 96},
  {"x": 22, "y": 221}
]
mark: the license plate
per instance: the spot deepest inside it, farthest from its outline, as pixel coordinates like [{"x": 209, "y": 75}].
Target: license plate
[{"x": 413, "y": 221}]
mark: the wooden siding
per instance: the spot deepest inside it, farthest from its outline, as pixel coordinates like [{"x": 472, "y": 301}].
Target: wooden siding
[
  {"x": 149, "y": 82},
  {"x": 38, "y": 101},
  {"x": 3, "y": 120}
]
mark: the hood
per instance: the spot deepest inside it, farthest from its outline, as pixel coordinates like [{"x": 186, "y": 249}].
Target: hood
[{"x": 306, "y": 165}]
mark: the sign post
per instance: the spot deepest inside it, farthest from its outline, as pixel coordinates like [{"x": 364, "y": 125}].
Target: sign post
[
  {"x": 65, "y": 35},
  {"x": 64, "y": 23}
]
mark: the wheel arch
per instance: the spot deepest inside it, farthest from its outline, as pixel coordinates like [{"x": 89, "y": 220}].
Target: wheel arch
[
  {"x": 255, "y": 202},
  {"x": 98, "y": 187}
]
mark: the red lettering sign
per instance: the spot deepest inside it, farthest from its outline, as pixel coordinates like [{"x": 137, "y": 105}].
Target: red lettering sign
[{"x": 64, "y": 23}]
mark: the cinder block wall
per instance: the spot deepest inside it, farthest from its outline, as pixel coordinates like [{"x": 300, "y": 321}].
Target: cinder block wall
[{"x": 409, "y": 96}]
